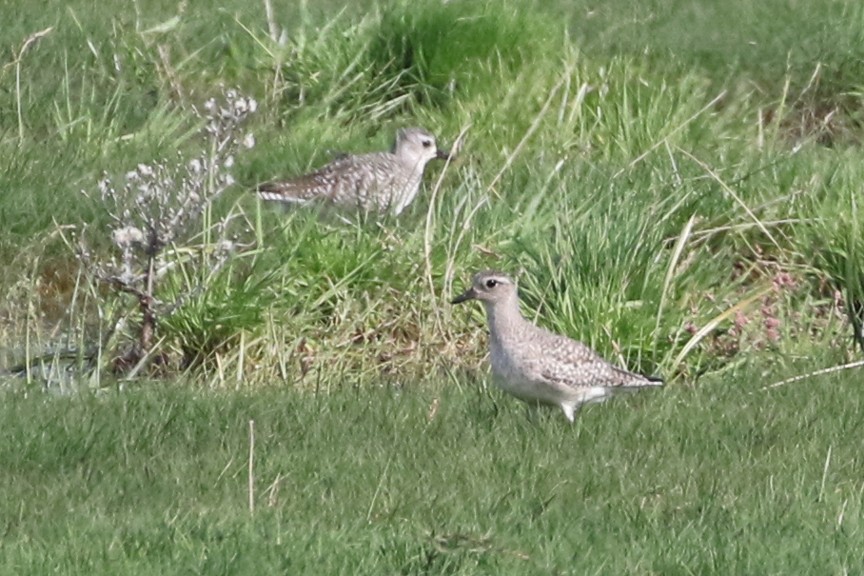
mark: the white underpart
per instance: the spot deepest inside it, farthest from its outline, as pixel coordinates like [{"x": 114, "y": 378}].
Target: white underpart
[{"x": 409, "y": 191}]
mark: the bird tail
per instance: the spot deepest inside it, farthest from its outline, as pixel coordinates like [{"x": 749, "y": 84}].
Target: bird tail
[
  {"x": 279, "y": 192},
  {"x": 654, "y": 380}
]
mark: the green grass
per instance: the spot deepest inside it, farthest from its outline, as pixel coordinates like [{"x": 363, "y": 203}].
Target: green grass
[
  {"x": 719, "y": 479},
  {"x": 674, "y": 183}
]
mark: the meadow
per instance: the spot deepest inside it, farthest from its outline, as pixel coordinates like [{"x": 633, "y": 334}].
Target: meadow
[{"x": 674, "y": 183}]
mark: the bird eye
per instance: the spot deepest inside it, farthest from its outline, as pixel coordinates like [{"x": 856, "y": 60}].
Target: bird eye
[
  {"x": 491, "y": 283},
  {"x": 426, "y": 143}
]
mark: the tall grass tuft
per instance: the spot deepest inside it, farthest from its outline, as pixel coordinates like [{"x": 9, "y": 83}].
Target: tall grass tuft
[
  {"x": 674, "y": 209},
  {"x": 836, "y": 236}
]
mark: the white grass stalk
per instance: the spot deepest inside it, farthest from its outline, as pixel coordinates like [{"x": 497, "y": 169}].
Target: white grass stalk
[
  {"x": 272, "y": 27},
  {"x": 821, "y": 372},
  {"x": 378, "y": 488},
  {"x": 428, "y": 233},
  {"x": 734, "y": 196},
  {"x": 535, "y": 124},
  {"x": 825, "y": 474},
  {"x": 674, "y": 131},
  {"x": 29, "y": 41},
  {"x": 677, "y": 251},
  {"x": 251, "y": 479}
]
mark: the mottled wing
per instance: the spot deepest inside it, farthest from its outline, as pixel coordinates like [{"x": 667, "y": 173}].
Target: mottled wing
[
  {"x": 324, "y": 183},
  {"x": 569, "y": 365}
]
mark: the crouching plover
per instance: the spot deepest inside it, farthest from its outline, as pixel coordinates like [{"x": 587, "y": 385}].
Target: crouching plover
[{"x": 375, "y": 182}]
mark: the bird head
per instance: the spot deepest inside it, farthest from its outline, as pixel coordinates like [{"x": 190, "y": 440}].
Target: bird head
[
  {"x": 488, "y": 287},
  {"x": 417, "y": 146}
]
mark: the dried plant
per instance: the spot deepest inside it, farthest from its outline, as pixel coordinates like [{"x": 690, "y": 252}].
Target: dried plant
[{"x": 158, "y": 209}]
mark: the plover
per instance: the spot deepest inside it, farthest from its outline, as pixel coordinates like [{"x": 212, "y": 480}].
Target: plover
[
  {"x": 536, "y": 365},
  {"x": 375, "y": 182}
]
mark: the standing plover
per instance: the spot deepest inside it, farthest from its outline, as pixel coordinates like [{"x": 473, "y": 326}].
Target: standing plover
[
  {"x": 538, "y": 366},
  {"x": 374, "y": 182}
]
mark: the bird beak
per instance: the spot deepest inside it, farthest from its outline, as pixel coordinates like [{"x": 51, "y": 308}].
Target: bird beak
[
  {"x": 469, "y": 294},
  {"x": 442, "y": 154}
]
